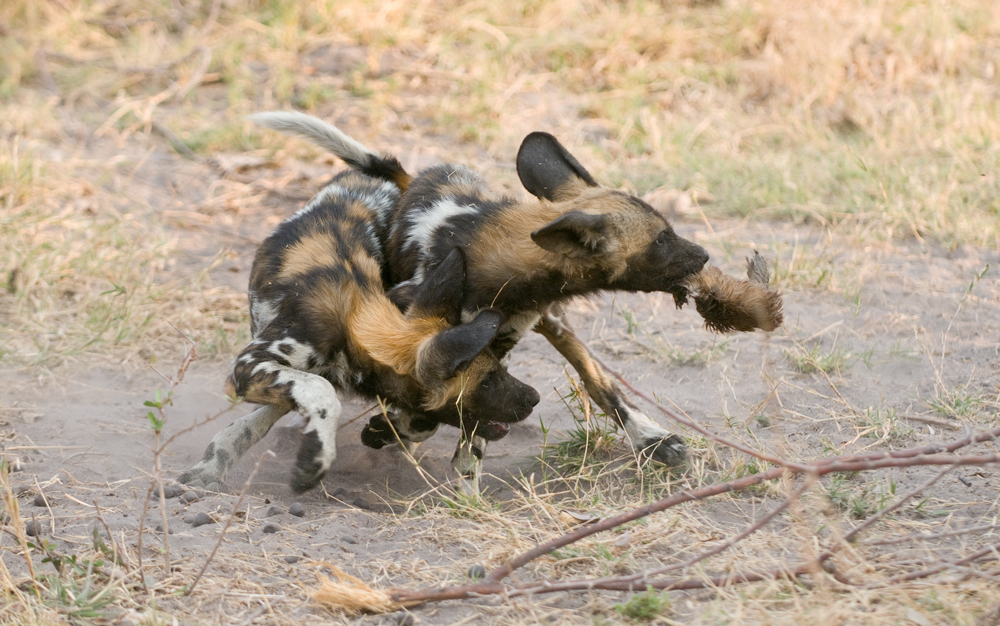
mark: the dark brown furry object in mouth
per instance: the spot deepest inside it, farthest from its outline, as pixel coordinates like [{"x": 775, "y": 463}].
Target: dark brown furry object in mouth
[{"x": 729, "y": 304}]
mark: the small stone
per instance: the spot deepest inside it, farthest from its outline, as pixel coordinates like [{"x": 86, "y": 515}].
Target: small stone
[
  {"x": 15, "y": 465},
  {"x": 339, "y": 491},
  {"x": 189, "y": 497},
  {"x": 33, "y": 528},
  {"x": 271, "y": 512},
  {"x": 39, "y": 500},
  {"x": 477, "y": 572},
  {"x": 624, "y": 541},
  {"x": 23, "y": 489},
  {"x": 297, "y": 510},
  {"x": 361, "y": 503},
  {"x": 292, "y": 558},
  {"x": 405, "y": 619},
  {"x": 201, "y": 519},
  {"x": 270, "y": 529},
  {"x": 159, "y": 529},
  {"x": 348, "y": 539},
  {"x": 172, "y": 490}
]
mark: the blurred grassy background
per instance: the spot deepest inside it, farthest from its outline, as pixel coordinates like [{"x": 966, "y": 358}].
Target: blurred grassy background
[{"x": 877, "y": 121}]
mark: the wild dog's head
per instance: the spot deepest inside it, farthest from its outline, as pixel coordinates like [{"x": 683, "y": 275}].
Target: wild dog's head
[
  {"x": 459, "y": 379},
  {"x": 604, "y": 230}
]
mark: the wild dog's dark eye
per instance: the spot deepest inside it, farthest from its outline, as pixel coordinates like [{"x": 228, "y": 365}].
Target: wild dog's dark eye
[{"x": 661, "y": 238}]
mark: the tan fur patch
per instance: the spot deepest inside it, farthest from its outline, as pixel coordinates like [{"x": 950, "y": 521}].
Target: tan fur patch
[
  {"x": 504, "y": 248},
  {"x": 308, "y": 253},
  {"x": 379, "y": 329},
  {"x": 453, "y": 388}
]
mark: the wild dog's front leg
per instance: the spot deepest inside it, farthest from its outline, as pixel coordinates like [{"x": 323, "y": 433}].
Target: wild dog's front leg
[
  {"x": 230, "y": 444},
  {"x": 315, "y": 399},
  {"x": 269, "y": 372},
  {"x": 646, "y": 436},
  {"x": 468, "y": 454}
]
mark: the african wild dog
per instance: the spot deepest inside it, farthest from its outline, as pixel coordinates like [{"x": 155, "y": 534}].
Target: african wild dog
[
  {"x": 526, "y": 259},
  {"x": 322, "y": 324}
]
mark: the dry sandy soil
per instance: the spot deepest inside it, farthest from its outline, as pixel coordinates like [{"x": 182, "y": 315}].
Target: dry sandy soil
[
  {"x": 861, "y": 146},
  {"x": 910, "y": 336}
]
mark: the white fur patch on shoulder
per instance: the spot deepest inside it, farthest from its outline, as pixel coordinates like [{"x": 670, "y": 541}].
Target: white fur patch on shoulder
[{"x": 438, "y": 214}]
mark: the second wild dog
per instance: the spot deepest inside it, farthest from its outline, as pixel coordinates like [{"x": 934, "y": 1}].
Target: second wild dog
[{"x": 322, "y": 325}]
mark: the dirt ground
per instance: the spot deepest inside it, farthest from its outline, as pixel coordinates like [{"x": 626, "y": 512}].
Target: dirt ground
[
  {"x": 860, "y": 149},
  {"x": 907, "y": 335}
]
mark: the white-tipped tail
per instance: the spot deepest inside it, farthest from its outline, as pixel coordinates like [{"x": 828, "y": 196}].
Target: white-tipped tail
[{"x": 324, "y": 135}]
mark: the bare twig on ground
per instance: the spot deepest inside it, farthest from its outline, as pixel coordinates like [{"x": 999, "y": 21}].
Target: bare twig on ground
[{"x": 920, "y": 456}]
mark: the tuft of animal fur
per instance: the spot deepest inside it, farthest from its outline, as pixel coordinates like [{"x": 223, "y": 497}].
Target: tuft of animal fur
[{"x": 729, "y": 304}]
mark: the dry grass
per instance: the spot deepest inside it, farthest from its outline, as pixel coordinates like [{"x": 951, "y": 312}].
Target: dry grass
[{"x": 875, "y": 122}]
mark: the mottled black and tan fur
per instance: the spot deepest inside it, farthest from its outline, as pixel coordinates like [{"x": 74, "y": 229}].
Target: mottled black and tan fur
[
  {"x": 526, "y": 258},
  {"x": 322, "y": 325}
]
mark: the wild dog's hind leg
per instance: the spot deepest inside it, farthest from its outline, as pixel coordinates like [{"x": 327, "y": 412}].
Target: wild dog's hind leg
[
  {"x": 230, "y": 444},
  {"x": 646, "y": 436}
]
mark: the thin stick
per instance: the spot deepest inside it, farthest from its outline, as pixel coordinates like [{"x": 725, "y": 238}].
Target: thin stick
[
  {"x": 142, "y": 524},
  {"x": 698, "y": 427},
  {"x": 114, "y": 547},
  {"x": 895, "y": 505},
  {"x": 491, "y": 583},
  {"x": 925, "y": 537},
  {"x": 236, "y": 507}
]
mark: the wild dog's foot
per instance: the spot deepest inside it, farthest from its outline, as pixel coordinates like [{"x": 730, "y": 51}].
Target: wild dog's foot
[
  {"x": 468, "y": 456},
  {"x": 669, "y": 450},
  {"x": 309, "y": 466},
  {"x": 652, "y": 441},
  {"x": 402, "y": 428},
  {"x": 378, "y": 433},
  {"x": 203, "y": 478}
]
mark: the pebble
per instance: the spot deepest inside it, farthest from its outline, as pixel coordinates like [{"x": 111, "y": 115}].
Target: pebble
[
  {"x": 270, "y": 529},
  {"x": 361, "y": 503},
  {"x": 348, "y": 539},
  {"x": 337, "y": 492},
  {"x": 297, "y": 510},
  {"x": 172, "y": 490},
  {"x": 271, "y": 512},
  {"x": 23, "y": 489},
  {"x": 292, "y": 558},
  {"x": 477, "y": 572},
  {"x": 33, "y": 528},
  {"x": 159, "y": 529},
  {"x": 405, "y": 619},
  {"x": 201, "y": 519},
  {"x": 189, "y": 497},
  {"x": 624, "y": 541},
  {"x": 39, "y": 500}
]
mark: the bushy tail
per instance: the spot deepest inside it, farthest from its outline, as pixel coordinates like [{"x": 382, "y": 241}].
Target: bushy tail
[{"x": 332, "y": 139}]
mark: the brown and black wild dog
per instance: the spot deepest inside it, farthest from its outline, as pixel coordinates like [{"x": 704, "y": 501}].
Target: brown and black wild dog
[
  {"x": 322, "y": 324},
  {"x": 524, "y": 258}
]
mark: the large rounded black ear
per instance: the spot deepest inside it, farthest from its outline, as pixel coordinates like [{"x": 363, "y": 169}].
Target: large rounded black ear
[
  {"x": 547, "y": 170},
  {"x": 453, "y": 350},
  {"x": 441, "y": 292},
  {"x": 575, "y": 234}
]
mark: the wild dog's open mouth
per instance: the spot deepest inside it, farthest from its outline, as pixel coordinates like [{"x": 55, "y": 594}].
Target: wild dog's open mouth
[{"x": 490, "y": 430}]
